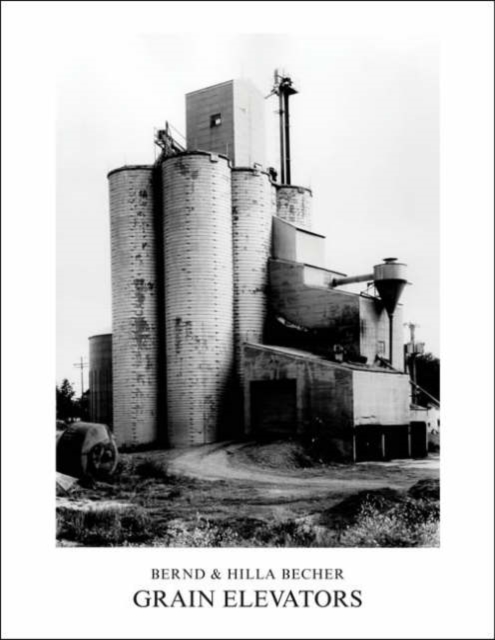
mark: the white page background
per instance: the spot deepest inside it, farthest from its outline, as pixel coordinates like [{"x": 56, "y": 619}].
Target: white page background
[{"x": 86, "y": 593}]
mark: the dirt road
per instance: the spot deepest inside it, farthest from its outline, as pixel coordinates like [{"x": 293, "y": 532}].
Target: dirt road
[
  {"x": 226, "y": 462},
  {"x": 194, "y": 492}
]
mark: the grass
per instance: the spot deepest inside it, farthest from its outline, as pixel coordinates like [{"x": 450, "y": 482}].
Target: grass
[
  {"x": 105, "y": 527},
  {"x": 152, "y": 469},
  {"x": 164, "y": 510},
  {"x": 405, "y": 523}
]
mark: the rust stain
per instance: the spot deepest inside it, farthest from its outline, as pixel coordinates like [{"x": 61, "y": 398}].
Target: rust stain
[
  {"x": 140, "y": 291},
  {"x": 141, "y": 331}
]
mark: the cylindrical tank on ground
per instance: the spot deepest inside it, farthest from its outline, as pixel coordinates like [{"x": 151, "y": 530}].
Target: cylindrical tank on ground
[
  {"x": 197, "y": 231},
  {"x": 100, "y": 378},
  {"x": 86, "y": 449},
  {"x": 294, "y": 205},
  {"x": 252, "y": 227},
  {"x": 135, "y": 300}
]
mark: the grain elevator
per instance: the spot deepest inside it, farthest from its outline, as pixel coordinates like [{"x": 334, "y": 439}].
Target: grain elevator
[{"x": 226, "y": 320}]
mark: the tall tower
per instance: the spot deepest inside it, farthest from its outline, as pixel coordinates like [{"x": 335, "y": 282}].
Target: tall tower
[
  {"x": 136, "y": 305},
  {"x": 227, "y": 118},
  {"x": 199, "y": 295}
]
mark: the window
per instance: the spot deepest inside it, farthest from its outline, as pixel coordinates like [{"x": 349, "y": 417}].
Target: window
[
  {"x": 381, "y": 346},
  {"x": 216, "y": 120}
]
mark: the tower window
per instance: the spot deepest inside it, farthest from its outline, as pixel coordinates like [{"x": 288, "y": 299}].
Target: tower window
[{"x": 216, "y": 120}]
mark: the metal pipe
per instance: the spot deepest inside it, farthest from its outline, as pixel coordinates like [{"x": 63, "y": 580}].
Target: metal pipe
[
  {"x": 282, "y": 139},
  {"x": 391, "y": 336},
  {"x": 287, "y": 137},
  {"x": 337, "y": 282}
]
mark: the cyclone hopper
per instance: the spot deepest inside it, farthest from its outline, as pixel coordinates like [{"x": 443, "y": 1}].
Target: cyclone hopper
[{"x": 389, "y": 279}]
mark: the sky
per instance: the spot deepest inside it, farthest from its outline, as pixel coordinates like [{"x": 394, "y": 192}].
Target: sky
[{"x": 364, "y": 136}]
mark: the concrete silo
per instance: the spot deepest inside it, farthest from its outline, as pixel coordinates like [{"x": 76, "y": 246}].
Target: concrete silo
[
  {"x": 252, "y": 210},
  {"x": 294, "y": 205},
  {"x": 135, "y": 305},
  {"x": 197, "y": 242},
  {"x": 100, "y": 378}
]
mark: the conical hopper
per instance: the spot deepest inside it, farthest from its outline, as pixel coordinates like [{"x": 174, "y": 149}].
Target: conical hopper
[
  {"x": 390, "y": 291},
  {"x": 389, "y": 280}
]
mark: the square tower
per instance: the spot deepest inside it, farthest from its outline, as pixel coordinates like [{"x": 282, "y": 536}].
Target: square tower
[{"x": 227, "y": 118}]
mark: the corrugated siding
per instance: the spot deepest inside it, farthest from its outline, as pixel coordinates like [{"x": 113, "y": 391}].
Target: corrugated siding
[
  {"x": 252, "y": 230},
  {"x": 134, "y": 306},
  {"x": 100, "y": 379},
  {"x": 198, "y": 295}
]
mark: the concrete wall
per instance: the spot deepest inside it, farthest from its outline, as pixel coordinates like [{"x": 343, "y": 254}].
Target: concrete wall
[
  {"x": 199, "y": 297},
  {"x": 324, "y": 392},
  {"x": 375, "y": 337},
  {"x": 241, "y": 134},
  {"x": 380, "y": 398},
  {"x": 100, "y": 378},
  {"x": 294, "y": 204},
  {"x": 135, "y": 306},
  {"x": 346, "y": 411}
]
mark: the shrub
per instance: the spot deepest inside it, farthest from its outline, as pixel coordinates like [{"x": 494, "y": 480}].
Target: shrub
[
  {"x": 410, "y": 524},
  {"x": 427, "y": 489},
  {"x": 348, "y": 511}
]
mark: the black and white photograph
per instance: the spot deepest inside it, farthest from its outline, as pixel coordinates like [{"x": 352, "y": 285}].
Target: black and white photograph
[
  {"x": 258, "y": 279},
  {"x": 260, "y": 365}
]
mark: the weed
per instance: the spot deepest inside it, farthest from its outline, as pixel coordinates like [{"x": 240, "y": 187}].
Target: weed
[
  {"x": 408, "y": 524},
  {"x": 104, "y": 527},
  {"x": 201, "y": 534}
]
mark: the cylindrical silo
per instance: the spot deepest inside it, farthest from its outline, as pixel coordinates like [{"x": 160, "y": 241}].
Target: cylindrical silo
[
  {"x": 100, "y": 378},
  {"x": 197, "y": 232},
  {"x": 252, "y": 230},
  {"x": 135, "y": 300},
  {"x": 294, "y": 205}
]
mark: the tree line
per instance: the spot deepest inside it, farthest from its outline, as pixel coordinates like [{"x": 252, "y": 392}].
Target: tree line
[{"x": 69, "y": 406}]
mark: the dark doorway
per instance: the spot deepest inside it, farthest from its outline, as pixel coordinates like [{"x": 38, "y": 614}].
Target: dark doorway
[
  {"x": 274, "y": 407},
  {"x": 419, "y": 439},
  {"x": 369, "y": 443},
  {"x": 397, "y": 441}
]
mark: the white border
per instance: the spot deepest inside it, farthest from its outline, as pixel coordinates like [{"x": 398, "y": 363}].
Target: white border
[{"x": 85, "y": 593}]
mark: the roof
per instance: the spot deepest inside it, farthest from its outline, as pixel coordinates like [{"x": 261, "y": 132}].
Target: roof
[
  {"x": 319, "y": 359},
  {"x": 211, "y": 86}
]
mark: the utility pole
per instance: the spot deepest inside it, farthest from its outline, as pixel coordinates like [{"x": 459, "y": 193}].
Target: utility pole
[
  {"x": 412, "y": 329},
  {"x": 81, "y": 365}
]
